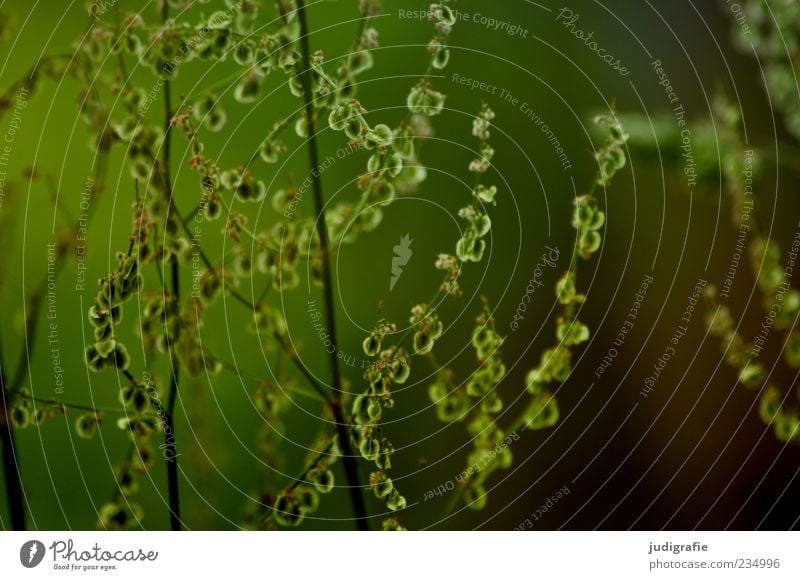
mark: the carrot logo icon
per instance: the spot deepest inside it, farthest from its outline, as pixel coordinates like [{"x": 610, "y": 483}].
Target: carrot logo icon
[
  {"x": 402, "y": 254},
  {"x": 31, "y": 553}
]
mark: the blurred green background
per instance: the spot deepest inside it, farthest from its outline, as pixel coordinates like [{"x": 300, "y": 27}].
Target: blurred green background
[{"x": 694, "y": 453}]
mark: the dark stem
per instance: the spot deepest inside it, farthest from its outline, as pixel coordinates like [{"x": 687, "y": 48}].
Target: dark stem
[
  {"x": 348, "y": 459},
  {"x": 169, "y": 422},
  {"x": 11, "y": 475}
]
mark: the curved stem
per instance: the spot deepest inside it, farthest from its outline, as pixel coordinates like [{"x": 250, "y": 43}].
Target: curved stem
[
  {"x": 11, "y": 475},
  {"x": 348, "y": 459},
  {"x": 169, "y": 419}
]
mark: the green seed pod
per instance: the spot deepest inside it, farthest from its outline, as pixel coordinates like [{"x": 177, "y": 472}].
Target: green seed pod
[
  {"x": 353, "y": 126},
  {"x": 20, "y": 416},
  {"x": 213, "y": 209},
  {"x": 787, "y": 427},
  {"x": 496, "y": 369},
  {"x": 371, "y": 345},
  {"x": 323, "y": 480},
  {"x": 371, "y": 217},
  {"x": 379, "y": 136},
  {"x": 370, "y": 449},
  {"x": 120, "y": 357},
  {"x": 382, "y": 193},
  {"x": 588, "y": 243},
  {"x": 542, "y": 413},
  {"x": 470, "y": 249},
  {"x": 244, "y": 54},
  {"x": 144, "y": 459},
  {"x": 485, "y": 194},
  {"x": 475, "y": 497},
  {"x": 423, "y": 342},
  {"x": 492, "y": 404},
  {"x": 288, "y": 511},
  {"x": 359, "y": 410},
  {"x": 437, "y": 392},
  {"x": 103, "y": 334},
  {"x": 301, "y": 125},
  {"x": 382, "y": 485},
  {"x": 270, "y": 150},
  {"x": 116, "y": 314},
  {"x": 347, "y": 89},
  {"x": 791, "y": 352},
  {"x": 403, "y": 371},
  {"x": 127, "y": 482},
  {"x": 598, "y": 220},
  {"x": 394, "y": 164},
  {"x": 140, "y": 169},
  {"x": 94, "y": 360},
  {"x": 374, "y": 163},
  {"x": 135, "y": 98},
  {"x": 308, "y": 498},
  {"x": 210, "y": 287},
  {"x": 791, "y": 302},
  {"x": 765, "y": 248},
  {"x": 105, "y": 346},
  {"x": 617, "y": 155},
  {"x": 132, "y": 44},
  {"x": 248, "y": 88},
  {"x": 565, "y": 289},
  {"x": 139, "y": 400},
  {"x": 359, "y": 61},
  {"x": 769, "y": 404},
  {"x": 443, "y": 14},
  {"x": 384, "y": 460},
  {"x": 243, "y": 264},
  {"x": 296, "y": 86},
  {"x": 453, "y": 408},
  {"x": 86, "y": 425},
  {"x": 424, "y": 101},
  {"x": 129, "y": 267},
  {"x": 215, "y": 120},
  {"x": 441, "y": 57},
  {"x": 751, "y": 375},
  {"x": 112, "y": 517},
  {"x": 770, "y": 278},
  {"x": 572, "y": 333},
  {"x": 98, "y": 317},
  {"x": 374, "y": 410},
  {"x": 338, "y": 117},
  {"x": 464, "y": 248},
  {"x": 127, "y": 129},
  {"x": 392, "y": 525},
  {"x": 248, "y": 189},
  {"x": 396, "y": 501},
  {"x": 41, "y": 415}
]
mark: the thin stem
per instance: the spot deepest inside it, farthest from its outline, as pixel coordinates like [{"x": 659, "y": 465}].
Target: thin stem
[
  {"x": 169, "y": 419},
  {"x": 11, "y": 474},
  {"x": 75, "y": 406},
  {"x": 349, "y": 460}
]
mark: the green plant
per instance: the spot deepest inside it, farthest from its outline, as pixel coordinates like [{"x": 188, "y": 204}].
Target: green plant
[
  {"x": 773, "y": 277},
  {"x": 165, "y": 241}
]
